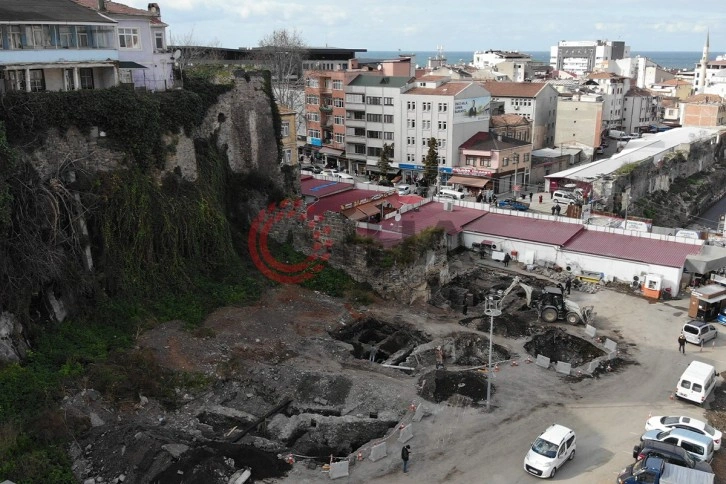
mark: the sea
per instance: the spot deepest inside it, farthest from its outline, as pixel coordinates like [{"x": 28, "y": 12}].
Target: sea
[{"x": 665, "y": 59}]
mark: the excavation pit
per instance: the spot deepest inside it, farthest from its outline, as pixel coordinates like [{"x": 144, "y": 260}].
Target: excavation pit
[
  {"x": 379, "y": 341},
  {"x": 558, "y": 345},
  {"x": 473, "y": 350},
  {"x": 457, "y": 387}
]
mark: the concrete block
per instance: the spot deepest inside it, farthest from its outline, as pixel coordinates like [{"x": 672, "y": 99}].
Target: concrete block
[
  {"x": 406, "y": 434},
  {"x": 338, "y": 469},
  {"x": 611, "y": 345},
  {"x": 592, "y": 366},
  {"x": 563, "y": 367},
  {"x": 612, "y": 355},
  {"x": 591, "y": 331},
  {"x": 420, "y": 413},
  {"x": 543, "y": 361},
  {"x": 378, "y": 452}
]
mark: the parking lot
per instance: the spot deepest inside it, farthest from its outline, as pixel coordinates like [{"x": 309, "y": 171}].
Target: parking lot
[{"x": 608, "y": 413}]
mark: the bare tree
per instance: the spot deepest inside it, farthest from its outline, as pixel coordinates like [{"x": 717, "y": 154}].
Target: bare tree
[
  {"x": 192, "y": 52},
  {"x": 282, "y": 52}
]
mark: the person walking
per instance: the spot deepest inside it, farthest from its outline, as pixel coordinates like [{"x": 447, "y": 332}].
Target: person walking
[
  {"x": 682, "y": 343},
  {"x": 553, "y": 210},
  {"x": 540, "y": 199},
  {"x": 557, "y": 209},
  {"x": 506, "y": 259},
  {"x": 405, "y": 454},
  {"x": 568, "y": 285},
  {"x": 530, "y": 197}
]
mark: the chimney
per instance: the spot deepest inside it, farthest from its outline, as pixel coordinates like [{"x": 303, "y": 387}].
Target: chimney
[
  {"x": 154, "y": 9},
  {"x": 102, "y": 5}
]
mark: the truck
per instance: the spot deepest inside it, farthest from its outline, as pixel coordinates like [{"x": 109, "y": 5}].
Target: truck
[
  {"x": 616, "y": 134},
  {"x": 657, "y": 471}
]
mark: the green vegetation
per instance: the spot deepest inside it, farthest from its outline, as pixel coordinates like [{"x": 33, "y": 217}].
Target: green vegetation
[
  {"x": 408, "y": 251},
  {"x": 431, "y": 162},
  {"x": 626, "y": 169}
]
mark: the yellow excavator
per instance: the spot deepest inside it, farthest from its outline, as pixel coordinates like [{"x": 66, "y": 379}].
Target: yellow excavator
[{"x": 552, "y": 306}]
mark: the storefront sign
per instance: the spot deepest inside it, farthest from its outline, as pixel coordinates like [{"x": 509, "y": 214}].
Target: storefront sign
[
  {"x": 470, "y": 171},
  {"x": 315, "y": 141}
]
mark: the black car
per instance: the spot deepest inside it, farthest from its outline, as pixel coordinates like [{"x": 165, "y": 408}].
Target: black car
[
  {"x": 671, "y": 453},
  {"x": 315, "y": 169}
]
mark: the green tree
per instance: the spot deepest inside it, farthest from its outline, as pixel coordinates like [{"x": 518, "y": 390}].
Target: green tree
[
  {"x": 431, "y": 162},
  {"x": 384, "y": 162}
]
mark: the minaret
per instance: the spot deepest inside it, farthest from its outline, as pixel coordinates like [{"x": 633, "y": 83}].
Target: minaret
[{"x": 704, "y": 64}]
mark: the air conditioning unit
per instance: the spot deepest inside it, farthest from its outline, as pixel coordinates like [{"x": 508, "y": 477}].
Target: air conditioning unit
[
  {"x": 448, "y": 206},
  {"x": 516, "y": 108}
]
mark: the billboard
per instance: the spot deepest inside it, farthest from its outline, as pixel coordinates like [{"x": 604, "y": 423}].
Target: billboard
[{"x": 472, "y": 109}]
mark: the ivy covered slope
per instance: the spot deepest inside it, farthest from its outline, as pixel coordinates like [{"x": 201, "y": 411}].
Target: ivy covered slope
[{"x": 120, "y": 248}]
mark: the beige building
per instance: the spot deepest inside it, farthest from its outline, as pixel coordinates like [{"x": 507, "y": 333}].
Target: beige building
[
  {"x": 703, "y": 110},
  {"x": 288, "y": 133},
  {"x": 511, "y": 126},
  {"x": 579, "y": 121},
  {"x": 677, "y": 88}
]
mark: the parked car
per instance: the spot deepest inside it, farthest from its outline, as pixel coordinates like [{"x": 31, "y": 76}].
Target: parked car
[
  {"x": 721, "y": 318},
  {"x": 670, "y": 452},
  {"x": 513, "y": 204},
  {"x": 311, "y": 168},
  {"x": 555, "y": 446},
  {"x": 599, "y": 150},
  {"x": 404, "y": 189},
  {"x": 688, "y": 423},
  {"x": 699, "y": 446},
  {"x": 657, "y": 471},
  {"x": 697, "y": 332},
  {"x": 564, "y": 197},
  {"x": 330, "y": 172},
  {"x": 345, "y": 176}
]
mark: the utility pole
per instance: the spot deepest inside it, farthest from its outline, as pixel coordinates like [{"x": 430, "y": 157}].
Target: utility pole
[{"x": 492, "y": 306}]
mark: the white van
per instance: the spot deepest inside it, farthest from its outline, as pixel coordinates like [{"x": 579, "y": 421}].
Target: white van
[
  {"x": 555, "y": 446},
  {"x": 697, "y": 382},
  {"x": 453, "y": 194},
  {"x": 561, "y": 196}
]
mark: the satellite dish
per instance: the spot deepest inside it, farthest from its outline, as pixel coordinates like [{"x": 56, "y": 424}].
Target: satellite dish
[
  {"x": 176, "y": 54},
  {"x": 417, "y": 66},
  {"x": 380, "y": 67}
]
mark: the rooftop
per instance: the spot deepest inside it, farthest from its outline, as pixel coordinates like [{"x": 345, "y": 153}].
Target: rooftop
[
  {"x": 531, "y": 229},
  {"x": 368, "y": 80},
  {"x": 513, "y": 89},
  {"x": 49, "y": 11},
  {"x": 314, "y": 187}
]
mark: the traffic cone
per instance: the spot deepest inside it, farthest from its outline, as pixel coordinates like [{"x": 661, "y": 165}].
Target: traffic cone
[
  {"x": 514, "y": 363},
  {"x": 496, "y": 367},
  {"x": 360, "y": 455}
]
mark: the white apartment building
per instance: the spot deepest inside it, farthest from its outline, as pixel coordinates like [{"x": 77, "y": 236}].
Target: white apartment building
[
  {"x": 373, "y": 118},
  {"x": 715, "y": 72},
  {"x": 645, "y": 72},
  {"x": 533, "y": 100},
  {"x": 583, "y": 56},
  {"x": 612, "y": 88},
  {"x": 450, "y": 111},
  {"x": 515, "y": 65}
]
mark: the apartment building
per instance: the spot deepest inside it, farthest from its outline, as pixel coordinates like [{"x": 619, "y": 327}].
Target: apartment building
[
  {"x": 535, "y": 101},
  {"x": 517, "y": 66},
  {"x": 493, "y": 162},
  {"x": 144, "y": 59},
  {"x": 56, "y": 45},
  {"x": 583, "y": 56},
  {"x": 288, "y": 135},
  {"x": 612, "y": 89},
  {"x": 676, "y": 88},
  {"x": 372, "y": 119},
  {"x": 703, "y": 110},
  {"x": 325, "y": 114},
  {"x": 640, "y": 110},
  {"x": 449, "y": 111},
  {"x": 579, "y": 122}
]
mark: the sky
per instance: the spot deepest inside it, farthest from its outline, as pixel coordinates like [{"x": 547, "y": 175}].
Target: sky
[{"x": 464, "y": 25}]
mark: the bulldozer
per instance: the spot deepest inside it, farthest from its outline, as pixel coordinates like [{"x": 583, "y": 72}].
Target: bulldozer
[{"x": 552, "y": 306}]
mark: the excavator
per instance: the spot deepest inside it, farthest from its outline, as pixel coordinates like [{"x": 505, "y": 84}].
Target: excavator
[{"x": 552, "y": 306}]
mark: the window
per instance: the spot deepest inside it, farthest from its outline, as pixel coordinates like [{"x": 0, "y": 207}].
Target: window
[
  {"x": 15, "y": 37},
  {"x": 288, "y": 156},
  {"x": 388, "y": 135},
  {"x": 411, "y": 123},
  {"x": 82, "y": 38},
  {"x": 374, "y": 134},
  {"x": 410, "y": 140},
  {"x": 359, "y": 132},
  {"x": 15, "y": 80},
  {"x": 356, "y": 115},
  {"x": 312, "y": 82},
  {"x": 359, "y": 149},
  {"x": 426, "y": 106},
  {"x": 373, "y": 100},
  {"x": 38, "y": 35},
  {"x": 37, "y": 80},
  {"x": 426, "y": 124},
  {"x": 442, "y": 125},
  {"x": 159, "y": 40},
  {"x": 66, "y": 37},
  {"x": 388, "y": 101},
  {"x": 328, "y": 84},
  {"x": 338, "y": 120},
  {"x": 411, "y": 105},
  {"x": 470, "y": 161},
  {"x": 128, "y": 38},
  {"x": 374, "y": 118},
  {"x": 86, "y": 75},
  {"x": 313, "y": 117},
  {"x": 285, "y": 129},
  {"x": 314, "y": 133},
  {"x": 442, "y": 160},
  {"x": 311, "y": 99},
  {"x": 375, "y": 152},
  {"x": 339, "y": 138},
  {"x": 486, "y": 162},
  {"x": 337, "y": 84},
  {"x": 410, "y": 157},
  {"x": 442, "y": 142},
  {"x": 354, "y": 98},
  {"x": 388, "y": 118},
  {"x": 338, "y": 102},
  {"x": 443, "y": 107}
]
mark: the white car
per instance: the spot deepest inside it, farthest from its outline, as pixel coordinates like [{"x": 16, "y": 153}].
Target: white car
[
  {"x": 344, "y": 176},
  {"x": 698, "y": 332},
  {"x": 664, "y": 423},
  {"x": 550, "y": 451},
  {"x": 403, "y": 189}
]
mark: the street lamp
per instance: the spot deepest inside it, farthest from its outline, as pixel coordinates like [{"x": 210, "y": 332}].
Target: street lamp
[
  {"x": 492, "y": 306},
  {"x": 515, "y": 160}
]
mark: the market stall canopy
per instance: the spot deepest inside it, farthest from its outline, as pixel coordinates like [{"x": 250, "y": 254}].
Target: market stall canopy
[{"x": 710, "y": 258}]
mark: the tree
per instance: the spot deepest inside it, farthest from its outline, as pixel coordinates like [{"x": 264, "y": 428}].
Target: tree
[
  {"x": 282, "y": 52},
  {"x": 384, "y": 162},
  {"x": 431, "y": 162},
  {"x": 192, "y": 52}
]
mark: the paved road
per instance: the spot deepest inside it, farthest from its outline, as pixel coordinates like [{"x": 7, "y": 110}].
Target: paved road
[{"x": 467, "y": 445}]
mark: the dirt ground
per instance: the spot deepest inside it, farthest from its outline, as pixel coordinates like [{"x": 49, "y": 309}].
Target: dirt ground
[{"x": 344, "y": 378}]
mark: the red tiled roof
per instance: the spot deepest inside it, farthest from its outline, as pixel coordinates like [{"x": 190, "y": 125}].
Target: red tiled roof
[
  {"x": 113, "y": 7},
  {"x": 705, "y": 99},
  {"x": 640, "y": 249},
  {"x": 604, "y": 75},
  {"x": 446, "y": 89},
  {"x": 333, "y": 203},
  {"x": 312, "y": 187},
  {"x": 535, "y": 230},
  {"x": 513, "y": 89},
  {"x": 508, "y": 120}
]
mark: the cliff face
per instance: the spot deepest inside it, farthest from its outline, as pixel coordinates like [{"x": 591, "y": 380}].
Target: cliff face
[{"x": 68, "y": 163}]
